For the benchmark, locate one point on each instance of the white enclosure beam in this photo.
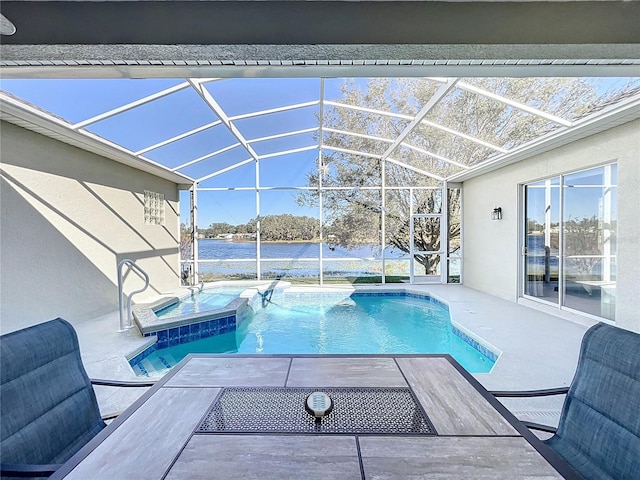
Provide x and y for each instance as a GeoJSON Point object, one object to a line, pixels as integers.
{"type": "Point", "coordinates": [414, 169]}
{"type": "Point", "coordinates": [465, 136]}
{"type": "Point", "coordinates": [210, 80]}
{"type": "Point", "coordinates": [179, 137]}
{"type": "Point", "coordinates": [251, 189]}
{"type": "Point", "coordinates": [283, 135]}
{"type": "Point", "coordinates": [204, 157]}
{"type": "Point", "coordinates": [119, 147]}
{"type": "Point", "coordinates": [320, 169]}
{"type": "Point", "coordinates": [438, 79]}
{"type": "Point", "coordinates": [351, 152]}
{"type": "Point", "coordinates": [512, 103]}
{"type": "Point", "coordinates": [359, 135]}
{"type": "Point", "coordinates": [274, 110]}
{"type": "Point", "coordinates": [424, 111]}
{"type": "Point", "coordinates": [225, 170]}
{"type": "Point", "coordinates": [434, 155]}
{"type": "Point", "coordinates": [369, 110]}
{"type": "Point", "coordinates": [310, 189]}
{"type": "Point", "coordinates": [129, 106]}
{"type": "Point", "coordinates": [220, 113]}
{"type": "Point", "coordinates": [288, 152]}
{"type": "Point", "coordinates": [193, 194]}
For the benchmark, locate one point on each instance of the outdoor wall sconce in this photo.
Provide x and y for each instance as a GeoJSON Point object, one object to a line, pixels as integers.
{"type": "Point", "coordinates": [496, 214]}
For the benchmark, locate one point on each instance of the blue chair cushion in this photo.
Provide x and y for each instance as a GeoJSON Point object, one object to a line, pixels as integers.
{"type": "Point", "coordinates": [48, 408]}
{"type": "Point", "coordinates": [599, 429]}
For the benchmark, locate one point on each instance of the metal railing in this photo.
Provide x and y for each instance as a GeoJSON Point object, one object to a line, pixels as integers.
{"type": "Point", "coordinates": [129, 317]}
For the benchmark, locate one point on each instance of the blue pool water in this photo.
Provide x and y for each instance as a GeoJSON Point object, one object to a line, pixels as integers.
{"type": "Point", "coordinates": [208, 299]}
{"type": "Point", "coordinates": [327, 324]}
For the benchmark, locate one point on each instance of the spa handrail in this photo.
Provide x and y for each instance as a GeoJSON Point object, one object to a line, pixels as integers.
{"type": "Point", "coordinates": [135, 266]}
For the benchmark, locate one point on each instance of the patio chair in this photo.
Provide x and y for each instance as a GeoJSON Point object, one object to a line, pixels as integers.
{"type": "Point", "coordinates": [48, 409]}
{"type": "Point", "coordinates": [599, 429]}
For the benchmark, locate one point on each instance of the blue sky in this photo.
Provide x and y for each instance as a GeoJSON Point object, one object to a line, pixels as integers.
{"type": "Point", "coordinates": [79, 99]}
{"type": "Point", "coordinates": [583, 192]}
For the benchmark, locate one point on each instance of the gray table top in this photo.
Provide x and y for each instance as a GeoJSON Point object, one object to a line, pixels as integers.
{"type": "Point", "coordinates": [154, 439]}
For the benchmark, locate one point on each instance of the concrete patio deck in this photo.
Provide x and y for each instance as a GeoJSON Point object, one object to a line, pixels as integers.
{"type": "Point", "coordinates": [539, 350]}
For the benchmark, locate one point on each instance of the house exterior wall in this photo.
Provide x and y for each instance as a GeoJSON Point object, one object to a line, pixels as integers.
{"type": "Point", "coordinates": [491, 248]}
{"type": "Point", "coordinates": [68, 218]}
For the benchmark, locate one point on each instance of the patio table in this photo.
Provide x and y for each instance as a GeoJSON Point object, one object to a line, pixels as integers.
{"type": "Point", "coordinates": [158, 437]}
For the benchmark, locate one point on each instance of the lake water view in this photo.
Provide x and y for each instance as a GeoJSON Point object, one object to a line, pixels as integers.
{"type": "Point", "coordinates": [237, 259]}
{"type": "Point", "coordinates": [216, 249]}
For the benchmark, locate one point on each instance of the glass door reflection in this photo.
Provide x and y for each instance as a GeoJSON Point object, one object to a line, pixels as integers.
{"type": "Point", "coordinates": [542, 239]}
{"type": "Point", "coordinates": [589, 233]}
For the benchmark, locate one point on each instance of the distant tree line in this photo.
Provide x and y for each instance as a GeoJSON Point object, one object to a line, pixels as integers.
{"type": "Point", "coordinates": [273, 228]}
{"type": "Point", "coordinates": [218, 229]}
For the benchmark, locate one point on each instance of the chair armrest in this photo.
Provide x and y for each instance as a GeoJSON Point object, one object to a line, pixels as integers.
{"type": "Point", "coordinates": [538, 426]}
{"type": "Point", "coordinates": [27, 471]}
{"type": "Point", "coordinates": [111, 416]}
{"type": "Point", "coordinates": [120, 383]}
{"type": "Point", "coordinates": [531, 393]}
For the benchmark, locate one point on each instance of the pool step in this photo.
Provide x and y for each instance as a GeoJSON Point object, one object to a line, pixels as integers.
{"type": "Point", "coordinates": [154, 363]}
{"type": "Point", "coordinates": [165, 361]}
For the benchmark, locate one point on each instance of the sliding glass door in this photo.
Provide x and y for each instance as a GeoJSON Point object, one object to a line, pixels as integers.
{"type": "Point", "coordinates": [542, 239]}
{"type": "Point", "coordinates": [589, 233]}
{"type": "Point", "coordinates": [569, 246]}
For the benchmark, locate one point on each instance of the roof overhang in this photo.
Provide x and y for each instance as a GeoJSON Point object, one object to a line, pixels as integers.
{"type": "Point", "coordinates": [235, 38]}
{"type": "Point", "coordinates": [30, 118]}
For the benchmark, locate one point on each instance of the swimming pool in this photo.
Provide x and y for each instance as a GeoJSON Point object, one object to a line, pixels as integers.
{"type": "Point", "coordinates": [208, 299]}
{"type": "Point", "coordinates": [359, 323]}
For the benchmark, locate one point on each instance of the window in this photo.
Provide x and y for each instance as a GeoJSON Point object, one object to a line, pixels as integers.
{"type": "Point", "coordinates": [153, 208]}
{"type": "Point", "coordinates": [570, 241]}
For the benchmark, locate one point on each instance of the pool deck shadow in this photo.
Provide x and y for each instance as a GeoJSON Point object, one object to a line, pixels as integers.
{"type": "Point", "coordinates": [538, 349]}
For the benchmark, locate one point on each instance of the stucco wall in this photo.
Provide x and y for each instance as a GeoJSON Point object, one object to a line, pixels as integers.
{"type": "Point", "coordinates": [68, 218]}
{"type": "Point", "coordinates": [491, 248]}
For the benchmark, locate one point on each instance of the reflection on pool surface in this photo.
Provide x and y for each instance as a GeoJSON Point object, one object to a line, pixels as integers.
{"type": "Point", "coordinates": [336, 324]}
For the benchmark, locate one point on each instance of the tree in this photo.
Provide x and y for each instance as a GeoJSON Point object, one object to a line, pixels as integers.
{"type": "Point", "coordinates": [287, 228]}
{"type": "Point", "coordinates": [353, 215]}
{"type": "Point", "coordinates": [185, 242]}
{"type": "Point", "coordinates": [216, 229]}
{"type": "Point", "coordinates": [185, 252]}
{"type": "Point", "coordinates": [583, 239]}
{"type": "Point", "coordinates": [533, 226]}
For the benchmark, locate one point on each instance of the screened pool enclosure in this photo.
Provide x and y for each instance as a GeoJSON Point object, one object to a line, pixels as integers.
{"type": "Point", "coordinates": [325, 180]}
